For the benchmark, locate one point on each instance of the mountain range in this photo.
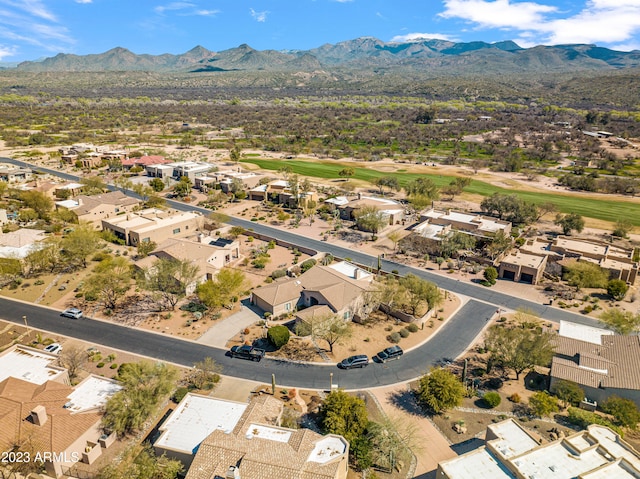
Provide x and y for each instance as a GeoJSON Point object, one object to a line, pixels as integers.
{"type": "Point", "coordinates": [364, 53]}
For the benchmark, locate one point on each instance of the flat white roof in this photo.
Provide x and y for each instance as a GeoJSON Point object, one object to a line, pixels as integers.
{"type": "Point", "coordinates": [160, 222]}
{"type": "Point", "coordinates": [611, 442]}
{"type": "Point", "coordinates": [350, 270]}
{"type": "Point", "coordinates": [29, 365]}
{"type": "Point", "coordinates": [478, 464]}
{"type": "Point", "coordinates": [326, 449]}
{"type": "Point", "coordinates": [267, 432]}
{"type": "Point", "coordinates": [428, 230]}
{"type": "Point", "coordinates": [91, 393]}
{"type": "Point", "coordinates": [70, 186]}
{"type": "Point", "coordinates": [384, 201]}
{"type": "Point", "coordinates": [581, 332]}
{"type": "Point", "coordinates": [558, 462]}
{"type": "Point", "coordinates": [338, 200]}
{"type": "Point", "coordinates": [195, 418]}
{"type": "Point", "coordinates": [68, 203]}
{"type": "Point", "coordinates": [617, 470]}
{"type": "Point", "coordinates": [513, 440]}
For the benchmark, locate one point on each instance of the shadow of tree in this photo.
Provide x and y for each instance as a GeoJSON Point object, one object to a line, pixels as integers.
{"type": "Point", "coordinates": [406, 400]}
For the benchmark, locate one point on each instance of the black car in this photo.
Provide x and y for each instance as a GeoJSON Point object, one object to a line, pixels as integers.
{"type": "Point", "coordinates": [392, 352]}
{"type": "Point", "coordinates": [357, 361]}
{"type": "Point", "coordinates": [247, 352]}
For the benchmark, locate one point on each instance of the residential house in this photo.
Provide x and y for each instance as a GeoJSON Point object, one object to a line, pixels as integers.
{"type": "Point", "coordinates": [153, 225]}
{"type": "Point", "coordinates": [511, 452]}
{"type": "Point", "coordinates": [144, 162]}
{"type": "Point", "coordinates": [601, 363]}
{"type": "Point", "coordinates": [392, 210]}
{"type": "Point", "coordinates": [190, 169]}
{"type": "Point", "coordinates": [14, 174]}
{"type": "Point", "coordinates": [210, 255]}
{"type": "Point", "coordinates": [20, 243]}
{"type": "Point", "coordinates": [96, 208]}
{"type": "Point", "coordinates": [256, 447]}
{"type": "Point", "coordinates": [469, 223]}
{"type": "Point", "coordinates": [523, 267]}
{"type": "Point", "coordinates": [68, 190]}
{"type": "Point", "coordinates": [269, 192]}
{"type": "Point", "coordinates": [340, 286]}
{"type": "Point", "coordinates": [41, 411]}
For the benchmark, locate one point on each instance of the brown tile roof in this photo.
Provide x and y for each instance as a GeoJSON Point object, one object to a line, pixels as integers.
{"type": "Point", "coordinates": [18, 398]}
{"type": "Point", "coordinates": [262, 458]}
{"type": "Point", "coordinates": [116, 198]}
{"type": "Point", "coordinates": [313, 312]}
{"type": "Point", "coordinates": [337, 289]}
{"type": "Point", "coordinates": [279, 292]}
{"type": "Point", "coordinates": [611, 364]}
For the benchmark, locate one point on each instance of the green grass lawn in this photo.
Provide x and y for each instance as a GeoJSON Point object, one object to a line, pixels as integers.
{"type": "Point", "coordinates": [602, 209]}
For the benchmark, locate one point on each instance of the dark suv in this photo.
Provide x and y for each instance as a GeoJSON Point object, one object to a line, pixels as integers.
{"type": "Point", "coordinates": [392, 352]}
{"type": "Point", "coordinates": [358, 361]}
{"type": "Point", "coordinates": [246, 352]}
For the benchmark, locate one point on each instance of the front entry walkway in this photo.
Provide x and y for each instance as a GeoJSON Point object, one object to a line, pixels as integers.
{"type": "Point", "coordinates": [222, 331]}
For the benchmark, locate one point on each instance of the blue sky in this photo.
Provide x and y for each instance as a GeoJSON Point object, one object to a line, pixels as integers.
{"type": "Point", "coordinates": [31, 29]}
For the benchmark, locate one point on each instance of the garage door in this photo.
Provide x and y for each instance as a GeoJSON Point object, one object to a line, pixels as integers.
{"type": "Point", "coordinates": [526, 278]}
{"type": "Point", "coordinates": [509, 275]}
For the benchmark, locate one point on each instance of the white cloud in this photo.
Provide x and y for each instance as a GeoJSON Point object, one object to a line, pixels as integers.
{"type": "Point", "coordinates": [160, 9]}
{"type": "Point", "coordinates": [34, 8]}
{"type": "Point", "coordinates": [37, 27]}
{"type": "Point", "coordinates": [7, 51]}
{"type": "Point", "coordinates": [599, 21]}
{"type": "Point", "coordinates": [259, 16]}
{"type": "Point", "coordinates": [84, 1]}
{"type": "Point", "coordinates": [416, 37]}
{"type": "Point", "coordinates": [207, 13]}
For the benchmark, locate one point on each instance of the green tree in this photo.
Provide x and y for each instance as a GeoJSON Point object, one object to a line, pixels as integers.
{"type": "Point", "coordinates": [79, 244]}
{"type": "Point", "coordinates": [492, 399]}
{"type": "Point", "coordinates": [369, 218]}
{"type": "Point", "coordinates": [623, 410]}
{"type": "Point", "coordinates": [93, 185]}
{"type": "Point", "coordinates": [146, 247]}
{"type": "Point", "coordinates": [145, 385]}
{"type": "Point", "coordinates": [440, 390]}
{"type": "Point", "coordinates": [569, 223]}
{"type": "Point", "coordinates": [568, 392]}
{"type": "Point", "coordinates": [157, 184]}
{"type": "Point", "coordinates": [622, 228]}
{"type": "Point", "coordinates": [140, 462]}
{"type": "Point", "coordinates": [621, 322]}
{"type": "Point", "coordinates": [617, 289]}
{"type": "Point", "coordinates": [331, 329]}
{"type": "Point", "coordinates": [509, 208]}
{"type": "Point", "coordinates": [45, 258]}
{"type": "Point", "coordinates": [346, 173]}
{"type": "Point", "coordinates": [38, 202]}
{"type": "Point", "coordinates": [498, 245]}
{"type": "Point", "coordinates": [424, 187]}
{"type": "Point", "coordinates": [518, 348]}
{"type": "Point", "coordinates": [542, 404]}
{"type": "Point", "coordinates": [182, 188]}
{"type": "Point", "coordinates": [278, 336]}
{"type": "Point", "coordinates": [205, 374]}
{"type": "Point", "coordinates": [390, 182]}
{"type": "Point", "coordinates": [221, 290]}
{"type": "Point", "coordinates": [168, 280]}
{"type": "Point", "coordinates": [490, 275]}
{"type": "Point", "coordinates": [420, 292]}
{"type": "Point", "coordinates": [455, 242]}
{"type": "Point", "coordinates": [110, 280]}
{"type": "Point", "coordinates": [394, 237]}
{"type": "Point", "coordinates": [343, 414]}
{"type": "Point", "coordinates": [236, 231]}
{"type": "Point", "coordinates": [583, 274]}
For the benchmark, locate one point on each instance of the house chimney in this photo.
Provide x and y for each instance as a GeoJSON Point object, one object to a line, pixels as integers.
{"type": "Point", "coordinates": [233, 473]}
{"type": "Point", "coordinates": [39, 415]}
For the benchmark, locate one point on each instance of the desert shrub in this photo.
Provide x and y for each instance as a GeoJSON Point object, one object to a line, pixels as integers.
{"type": "Point", "coordinates": [583, 418]}
{"type": "Point", "coordinates": [515, 398]}
{"type": "Point", "coordinates": [495, 383]}
{"type": "Point", "coordinates": [278, 336]}
{"type": "Point", "coordinates": [179, 394]}
{"type": "Point", "coordinates": [394, 338]}
{"type": "Point", "coordinates": [194, 307]}
{"type": "Point", "coordinates": [113, 366]}
{"type": "Point", "coordinates": [413, 328]}
{"type": "Point", "coordinates": [492, 399]}
{"type": "Point", "coordinates": [100, 365]}
{"type": "Point", "coordinates": [307, 265]}
{"type": "Point", "coordinates": [302, 329]}
{"type": "Point", "coordinates": [404, 333]}
{"type": "Point", "coordinates": [278, 273]}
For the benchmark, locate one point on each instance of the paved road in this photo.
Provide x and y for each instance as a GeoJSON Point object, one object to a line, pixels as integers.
{"type": "Point", "coordinates": [479, 292]}
{"type": "Point", "coordinates": [451, 340]}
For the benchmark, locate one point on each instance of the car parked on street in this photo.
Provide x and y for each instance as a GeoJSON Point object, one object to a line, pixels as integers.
{"type": "Point", "coordinates": [247, 352]}
{"type": "Point", "coordinates": [53, 348]}
{"type": "Point", "coordinates": [390, 353]}
{"type": "Point", "coordinates": [357, 361]}
{"type": "Point", "coordinates": [73, 313]}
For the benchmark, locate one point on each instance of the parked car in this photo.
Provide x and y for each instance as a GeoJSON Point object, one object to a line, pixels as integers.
{"type": "Point", "coordinates": [357, 361]}
{"type": "Point", "coordinates": [73, 313]}
{"type": "Point", "coordinates": [390, 353]}
{"type": "Point", "coordinates": [247, 352]}
{"type": "Point", "coordinates": [53, 348]}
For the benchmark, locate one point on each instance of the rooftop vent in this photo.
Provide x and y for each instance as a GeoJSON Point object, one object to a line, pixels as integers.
{"type": "Point", "coordinates": [233, 473]}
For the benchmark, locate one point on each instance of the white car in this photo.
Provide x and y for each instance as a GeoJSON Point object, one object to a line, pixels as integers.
{"type": "Point", "coordinates": [73, 313]}
{"type": "Point", "coordinates": [53, 348]}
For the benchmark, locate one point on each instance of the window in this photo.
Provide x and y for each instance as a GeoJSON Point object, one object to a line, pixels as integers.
{"type": "Point", "coordinates": [176, 231]}
{"type": "Point", "coordinates": [287, 307]}
{"type": "Point", "coordinates": [146, 240]}
{"type": "Point", "coordinates": [347, 314]}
